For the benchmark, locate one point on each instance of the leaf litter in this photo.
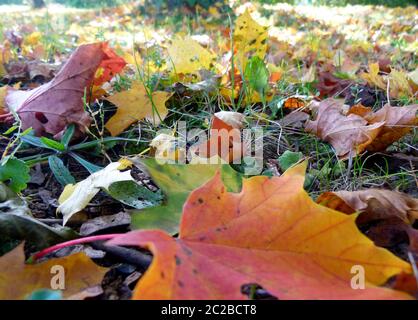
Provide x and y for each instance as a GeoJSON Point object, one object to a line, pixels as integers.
{"type": "Point", "coordinates": [87, 119]}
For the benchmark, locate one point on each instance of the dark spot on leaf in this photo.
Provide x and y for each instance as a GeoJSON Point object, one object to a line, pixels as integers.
{"type": "Point", "coordinates": [178, 260]}
{"type": "Point", "coordinates": [195, 271]}
{"type": "Point", "coordinates": [263, 41]}
{"type": "Point", "coordinates": [180, 284]}
{"type": "Point", "coordinates": [162, 274]}
{"type": "Point", "coordinates": [200, 200]}
{"type": "Point", "coordinates": [41, 117]}
{"type": "Point", "coordinates": [252, 42]}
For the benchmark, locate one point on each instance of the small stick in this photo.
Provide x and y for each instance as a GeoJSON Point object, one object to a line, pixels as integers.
{"type": "Point", "coordinates": [131, 256]}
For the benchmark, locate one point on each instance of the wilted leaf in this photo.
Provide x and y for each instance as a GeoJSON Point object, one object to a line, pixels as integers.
{"type": "Point", "coordinates": [373, 204]}
{"type": "Point", "coordinates": [399, 121]}
{"type": "Point", "coordinates": [52, 106]}
{"type": "Point", "coordinates": [177, 181]}
{"type": "Point", "coordinates": [349, 135]}
{"type": "Point", "coordinates": [188, 56]}
{"type": "Point", "coordinates": [134, 105]}
{"type": "Point", "coordinates": [18, 280]}
{"type": "Point", "coordinates": [373, 78]}
{"type": "Point", "coordinates": [84, 191]}
{"type": "Point", "coordinates": [272, 234]}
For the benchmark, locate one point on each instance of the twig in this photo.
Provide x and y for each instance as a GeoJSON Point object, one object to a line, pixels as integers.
{"type": "Point", "coordinates": [130, 256]}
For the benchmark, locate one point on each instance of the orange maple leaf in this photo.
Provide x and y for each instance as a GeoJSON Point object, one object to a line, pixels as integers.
{"type": "Point", "coordinates": [272, 234]}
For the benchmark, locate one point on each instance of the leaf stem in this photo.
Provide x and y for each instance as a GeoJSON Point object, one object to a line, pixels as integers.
{"type": "Point", "coordinates": [58, 246]}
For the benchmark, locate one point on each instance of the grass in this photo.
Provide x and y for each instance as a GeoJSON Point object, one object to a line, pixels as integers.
{"type": "Point", "coordinates": [326, 172]}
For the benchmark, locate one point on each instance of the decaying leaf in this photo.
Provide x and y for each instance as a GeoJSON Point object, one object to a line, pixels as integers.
{"type": "Point", "coordinates": [361, 129]}
{"type": "Point", "coordinates": [82, 192]}
{"type": "Point", "coordinates": [272, 234]}
{"type": "Point", "coordinates": [18, 280]}
{"type": "Point", "coordinates": [134, 105]}
{"type": "Point", "coordinates": [188, 56]}
{"type": "Point", "coordinates": [399, 121]}
{"type": "Point", "coordinates": [176, 182]}
{"type": "Point", "coordinates": [373, 204]}
{"type": "Point", "coordinates": [52, 106]}
{"type": "Point", "coordinates": [349, 135]}
{"type": "Point", "coordinates": [396, 81]}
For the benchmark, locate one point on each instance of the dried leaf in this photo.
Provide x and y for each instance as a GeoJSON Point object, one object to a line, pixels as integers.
{"type": "Point", "coordinates": [18, 280]}
{"type": "Point", "coordinates": [399, 121]}
{"type": "Point", "coordinates": [52, 106]}
{"type": "Point", "coordinates": [349, 135]}
{"type": "Point", "coordinates": [374, 204]}
{"type": "Point", "coordinates": [134, 105]}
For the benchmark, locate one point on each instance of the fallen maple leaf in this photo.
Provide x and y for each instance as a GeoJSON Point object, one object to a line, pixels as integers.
{"type": "Point", "coordinates": [349, 135]}
{"type": "Point", "coordinates": [374, 204]}
{"type": "Point", "coordinates": [396, 82]}
{"type": "Point", "coordinates": [76, 197]}
{"type": "Point", "coordinates": [52, 106]}
{"type": "Point", "coordinates": [134, 105]}
{"type": "Point", "coordinates": [398, 122]}
{"type": "Point", "coordinates": [361, 129]}
{"type": "Point", "coordinates": [272, 234]}
{"type": "Point", "coordinates": [18, 280]}
{"type": "Point", "coordinates": [188, 56]}
{"type": "Point", "coordinates": [250, 39]}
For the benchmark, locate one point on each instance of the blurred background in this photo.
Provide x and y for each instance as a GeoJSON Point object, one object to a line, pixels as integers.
{"type": "Point", "coordinates": [203, 3]}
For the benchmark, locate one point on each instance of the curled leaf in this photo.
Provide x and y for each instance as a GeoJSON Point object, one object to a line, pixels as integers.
{"type": "Point", "coordinates": [374, 204]}
{"type": "Point", "coordinates": [52, 106]}
{"type": "Point", "coordinates": [82, 192]}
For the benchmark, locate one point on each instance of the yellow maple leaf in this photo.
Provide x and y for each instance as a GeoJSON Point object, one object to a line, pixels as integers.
{"type": "Point", "coordinates": [33, 39]}
{"type": "Point", "coordinates": [250, 39]}
{"type": "Point", "coordinates": [134, 105]}
{"type": "Point", "coordinates": [373, 77]}
{"type": "Point", "coordinates": [399, 84]}
{"type": "Point", "coordinates": [188, 56]}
